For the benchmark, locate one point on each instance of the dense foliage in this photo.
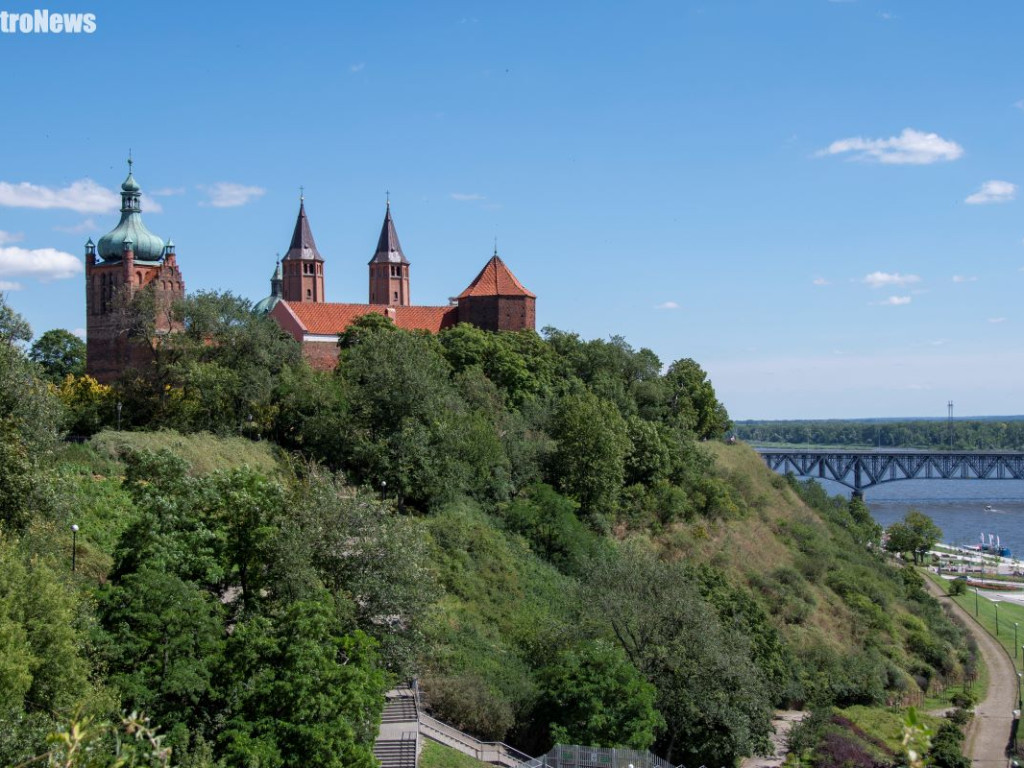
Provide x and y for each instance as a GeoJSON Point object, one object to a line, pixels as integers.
{"type": "Point", "coordinates": [965, 435]}
{"type": "Point", "coordinates": [505, 516]}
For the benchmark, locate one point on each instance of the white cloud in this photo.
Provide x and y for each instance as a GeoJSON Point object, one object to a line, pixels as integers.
{"type": "Point", "coordinates": [997, 320]}
{"type": "Point", "coordinates": [465, 197]}
{"type": "Point", "coordinates": [993, 192]}
{"type": "Point", "coordinates": [909, 148]}
{"type": "Point", "coordinates": [667, 305]}
{"type": "Point", "coordinates": [964, 279]}
{"type": "Point", "coordinates": [357, 67]}
{"type": "Point", "coordinates": [820, 281]}
{"type": "Point", "coordinates": [226, 194]}
{"type": "Point", "coordinates": [41, 263]}
{"type": "Point", "coordinates": [10, 237]}
{"type": "Point", "coordinates": [882, 279]}
{"type": "Point", "coordinates": [79, 332]}
{"type": "Point", "coordinates": [84, 196]}
{"type": "Point", "coordinates": [79, 229]}
{"type": "Point", "coordinates": [168, 191]}
{"type": "Point", "coordinates": [895, 301]}
{"type": "Point", "coordinates": [7, 285]}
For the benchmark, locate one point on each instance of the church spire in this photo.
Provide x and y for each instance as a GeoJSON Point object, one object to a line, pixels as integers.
{"type": "Point", "coordinates": [302, 266]}
{"type": "Point", "coordinates": [389, 250]}
{"type": "Point", "coordinates": [303, 246]}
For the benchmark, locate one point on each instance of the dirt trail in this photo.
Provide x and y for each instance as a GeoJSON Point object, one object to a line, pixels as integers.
{"type": "Point", "coordinates": [989, 732]}
{"type": "Point", "coordinates": [782, 722]}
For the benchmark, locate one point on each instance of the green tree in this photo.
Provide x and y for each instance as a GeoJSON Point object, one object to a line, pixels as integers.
{"type": "Point", "coordinates": [163, 640]}
{"type": "Point", "coordinates": [592, 695]}
{"type": "Point", "coordinates": [713, 698]}
{"type": "Point", "coordinates": [303, 692]}
{"type": "Point", "coordinates": [694, 404]}
{"type": "Point", "coordinates": [30, 417]}
{"type": "Point", "coordinates": [60, 353]}
{"type": "Point", "coordinates": [589, 462]}
{"type": "Point", "coordinates": [917, 533]}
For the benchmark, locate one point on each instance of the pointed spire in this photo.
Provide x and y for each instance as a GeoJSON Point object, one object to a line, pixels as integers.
{"type": "Point", "coordinates": [303, 246]}
{"type": "Point", "coordinates": [388, 247]}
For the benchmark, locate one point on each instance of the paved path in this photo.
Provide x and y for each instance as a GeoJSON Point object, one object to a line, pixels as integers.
{"type": "Point", "coordinates": [989, 732]}
{"type": "Point", "coordinates": [782, 722]}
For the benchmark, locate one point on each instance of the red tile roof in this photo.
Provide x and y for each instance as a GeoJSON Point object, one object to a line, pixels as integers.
{"type": "Point", "coordinates": [327, 319]}
{"type": "Point", "coordinates": [495, 279]}
{"type": "Point", "coordinates": [431, 319]}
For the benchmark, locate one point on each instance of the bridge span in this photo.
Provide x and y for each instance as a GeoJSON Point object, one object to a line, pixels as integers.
{"type": "Point", "coordinates": [858, 470]}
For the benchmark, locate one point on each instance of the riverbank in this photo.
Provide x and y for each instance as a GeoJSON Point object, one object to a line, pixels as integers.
{"type": "Point", "coordinates": [990, 731]}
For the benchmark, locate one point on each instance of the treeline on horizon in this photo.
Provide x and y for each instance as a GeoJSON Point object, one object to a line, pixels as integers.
{"type": "Point", "coordinates": [983, 434]}
{"type": "Point", "coordinates": [505, 516]}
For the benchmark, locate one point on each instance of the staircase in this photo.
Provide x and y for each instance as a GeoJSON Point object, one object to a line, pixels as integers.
{"type": "Point", "coordinates": [403, 727]}
{"type": "Point", "coordinates": [397, 744]}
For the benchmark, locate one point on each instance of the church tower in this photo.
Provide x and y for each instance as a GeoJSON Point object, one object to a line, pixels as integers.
{"type": "Point", "coordinates": [125, 261]}
{"type": "Point", "coordinates": [389, 269]}
{"type": "Point", "coordinates": [302, 266]}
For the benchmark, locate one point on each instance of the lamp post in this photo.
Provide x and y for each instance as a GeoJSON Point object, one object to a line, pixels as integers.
{"type": "Point", "coordinates": [996, 604]}
{"type": "Point", "coordinates": [1015, 641]}
{"type": "Point", "coordinates": [383, 488]}
{"type": "Point", "coordinates": [975, 602]}
{"type": "Point", "coordinates": [74, 547]}
{"type": "Point", "coordinates": [118, 415]}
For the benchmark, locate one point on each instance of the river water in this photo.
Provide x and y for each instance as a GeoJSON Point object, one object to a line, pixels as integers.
{"type": "Point", "coordinates": [956, 506]}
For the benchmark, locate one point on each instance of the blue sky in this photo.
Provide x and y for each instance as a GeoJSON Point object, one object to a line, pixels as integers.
{"type": "Point", "coordinates": [818, 201]}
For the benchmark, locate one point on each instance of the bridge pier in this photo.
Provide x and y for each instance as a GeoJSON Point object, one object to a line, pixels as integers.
{"type": "Point", "coordinates": [856, 494]}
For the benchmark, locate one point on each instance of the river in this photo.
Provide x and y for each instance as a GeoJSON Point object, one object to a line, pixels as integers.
{"type": "Point", "coordinates": [956, 506]}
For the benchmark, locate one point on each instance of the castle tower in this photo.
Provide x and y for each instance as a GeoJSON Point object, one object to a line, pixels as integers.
{"type": "Point", "coordinates": [497, 301]}
{"type": "Point", "coordinates": [303, 267]}
{"type": "Point", "coordinates": [389, 269]}
{"type": "Point", "coordinates": [126, 260]}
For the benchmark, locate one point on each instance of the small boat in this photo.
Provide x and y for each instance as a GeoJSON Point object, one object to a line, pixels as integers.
{"type": "Point", "coordinates": [989, 508]}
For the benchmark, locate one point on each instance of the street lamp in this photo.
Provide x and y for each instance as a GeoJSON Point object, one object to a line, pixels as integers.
{"type": "Point", "coordinates": [996, 604]}
{"type": "Point", "coordinates": [118, 415]}
{"type": "Point", "coordinates": [383, 488]}
{"type": "Point", "coordinates": [975, 602]}
{"type": "Point", "coordinates": [74, 546]}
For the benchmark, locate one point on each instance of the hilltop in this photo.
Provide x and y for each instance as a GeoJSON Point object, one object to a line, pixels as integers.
{"type": "Point", "coordinates": [544, 530]}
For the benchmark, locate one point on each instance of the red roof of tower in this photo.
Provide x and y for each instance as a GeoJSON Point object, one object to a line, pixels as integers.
{"type": "Point", "coordinates": [495, 279]}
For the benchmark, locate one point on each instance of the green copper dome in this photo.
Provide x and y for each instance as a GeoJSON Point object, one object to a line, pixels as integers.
{"type": "Point", "coordinates": [146, 245]}
{"type": "Point", "coordinates": [264, 306]}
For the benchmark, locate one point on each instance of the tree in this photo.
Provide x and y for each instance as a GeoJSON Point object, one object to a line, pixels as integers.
{"type": "Point", "coordinates": [712, 696]}
{"type": "Point", "coordinates": [592, 695]}
{"type": "Point", "coordinates": [30, 417]}
{"type": "Point", "coordinates": [589, 462]}
{"type": "Point", "coordinates": [304, 693]}
{"type": "Point", "coordinates": [693, 400]}
{"type": "Point", "coordinates": [163, 640]}
{"type": "Point", "coordinates": [916, 534]}
{"type": "Point", "coordinates": [60, 353]}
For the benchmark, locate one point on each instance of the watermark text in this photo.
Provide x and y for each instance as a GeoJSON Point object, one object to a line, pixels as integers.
{"type": "Point", "coordinates": [41, 21]}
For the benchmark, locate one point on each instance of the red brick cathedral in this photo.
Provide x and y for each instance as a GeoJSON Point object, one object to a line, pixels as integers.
{"type": "Point", "coordinates": [131, 258]}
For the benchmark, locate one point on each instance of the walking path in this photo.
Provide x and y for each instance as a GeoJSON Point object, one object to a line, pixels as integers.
{"type": "Point", "coordinates": [989, 732]}
{"type": "Point", "coordinates": [782, 722]}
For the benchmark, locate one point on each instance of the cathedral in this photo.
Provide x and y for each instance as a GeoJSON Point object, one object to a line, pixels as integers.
{"type": "Point", "coordinates": [130, 258]}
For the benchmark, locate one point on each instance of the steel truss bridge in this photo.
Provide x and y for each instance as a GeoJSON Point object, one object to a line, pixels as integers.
{"type": "Point", "coordinates": [858, 470]}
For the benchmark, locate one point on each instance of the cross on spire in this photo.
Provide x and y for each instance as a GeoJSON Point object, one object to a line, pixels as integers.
{"type": "Point", "coordinates": [302, 194]}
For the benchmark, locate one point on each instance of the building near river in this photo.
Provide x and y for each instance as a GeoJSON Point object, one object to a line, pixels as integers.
{"type": "Point", "coordinates": [131, 258]}
{"type": "Point", "coordinates": [495, 300]}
